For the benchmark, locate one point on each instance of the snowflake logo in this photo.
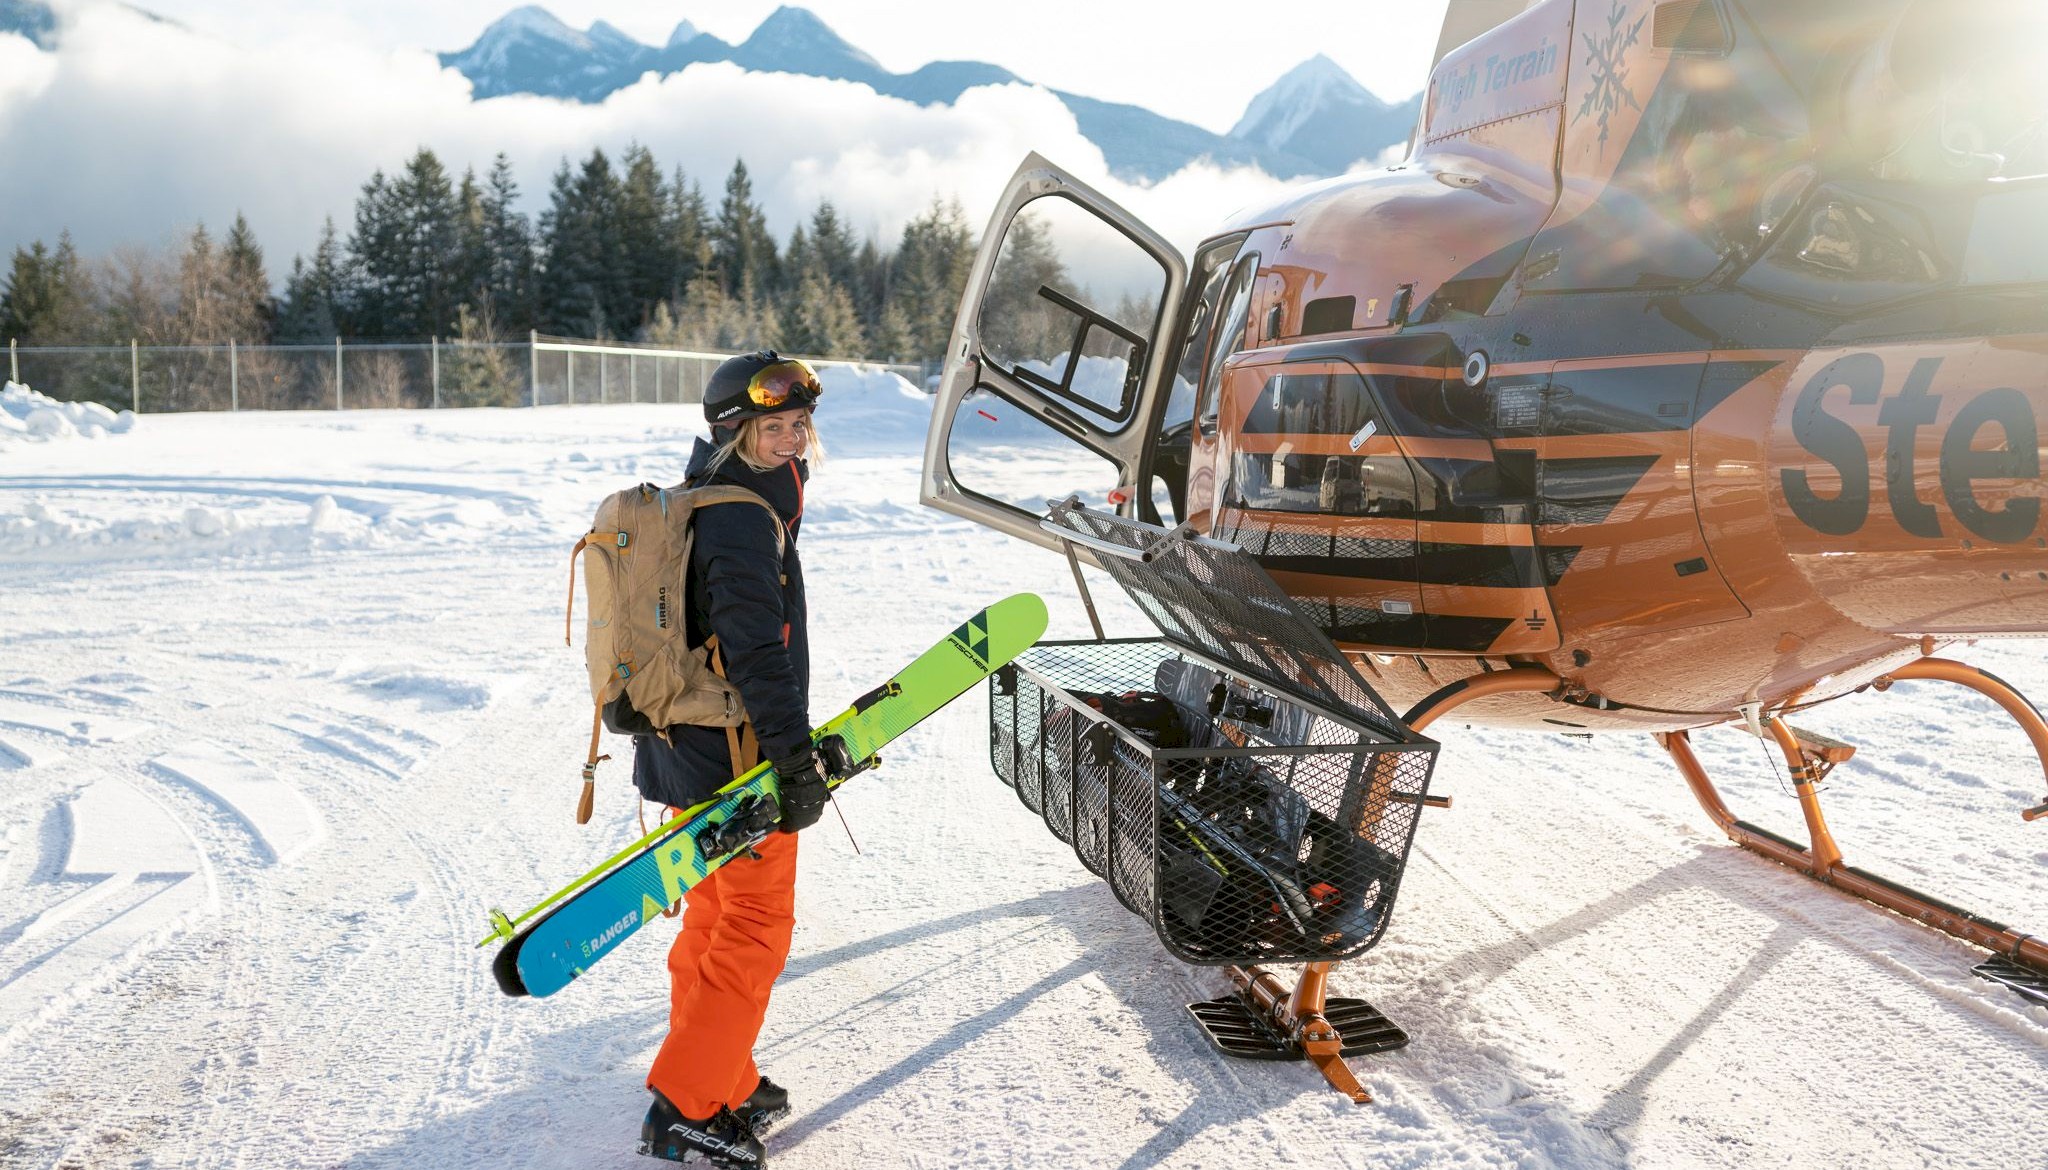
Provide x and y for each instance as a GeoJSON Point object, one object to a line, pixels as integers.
{"type": "Point", "coordinates": [1606, 63]}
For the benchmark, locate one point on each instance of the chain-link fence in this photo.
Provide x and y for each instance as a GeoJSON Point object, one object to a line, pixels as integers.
{"type": "Point", "coordinates": [346, 375]}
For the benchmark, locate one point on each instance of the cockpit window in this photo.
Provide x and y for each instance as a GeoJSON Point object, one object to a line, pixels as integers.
{"type": "Point", "coordinates": [1212, 269]}
{"type": "Point", "coordinates": [1237, 305]}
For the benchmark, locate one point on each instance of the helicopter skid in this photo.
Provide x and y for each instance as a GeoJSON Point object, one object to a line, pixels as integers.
{"type": "Point", "coordinates": [1267, 1020]}
{"type": "Point", "coordinates": [1821, 858]}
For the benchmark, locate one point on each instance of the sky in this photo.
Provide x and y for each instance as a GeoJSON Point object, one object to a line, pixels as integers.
{"type": "Point", "coordinates": [134, 130]}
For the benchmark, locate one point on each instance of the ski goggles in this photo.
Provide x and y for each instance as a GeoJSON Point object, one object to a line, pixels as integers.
{"type": "Point", "coordinates": [777, 384]}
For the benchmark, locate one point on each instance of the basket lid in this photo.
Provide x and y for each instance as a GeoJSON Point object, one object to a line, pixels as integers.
{"type": "Point", "coordinates": [1212, 600]}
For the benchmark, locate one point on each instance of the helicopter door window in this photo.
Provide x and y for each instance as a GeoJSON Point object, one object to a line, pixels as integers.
{"type": "Point", "coordinates": [1313, 440]}
{"type": "Point", "coordinates": [1070, 304]}
{"type": "Point", "coordinates": [1237, 305]}
{"type": "Point", "coordinates": [999, 451]}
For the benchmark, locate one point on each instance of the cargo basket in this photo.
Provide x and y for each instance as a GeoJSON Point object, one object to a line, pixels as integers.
{"type": "Point", "coordinates": [1236, 783]}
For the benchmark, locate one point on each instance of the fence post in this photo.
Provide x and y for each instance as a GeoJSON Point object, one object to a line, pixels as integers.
{"type": "Point", "coordinates": [604, 379]}
{"type": "Point", "coordinates": [533, 367]}
{"type": "Point", "coordinates": [569, 360]}
{"type": "Point", "coordinates": [234, 378]}
{"type": "Point", "coordinates": [134, 377]}
{"type": "Point", "coordinates": [434, 352]}
{"type": "Point", "coordinates": [337, 373]}
{"type": "Point", "coordinates": [13, 363]}
{"type": "Point", "coordinates": [633, 376]}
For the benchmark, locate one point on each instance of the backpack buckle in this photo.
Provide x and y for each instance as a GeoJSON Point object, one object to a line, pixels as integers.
{"type": "Point", "coordinates": [623, 670]}
{"type": "Point", "coordinates": [624, 539]}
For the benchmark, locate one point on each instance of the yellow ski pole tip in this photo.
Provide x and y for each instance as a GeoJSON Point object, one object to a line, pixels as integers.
{"type": "Point", "coordinates": [501, 928]}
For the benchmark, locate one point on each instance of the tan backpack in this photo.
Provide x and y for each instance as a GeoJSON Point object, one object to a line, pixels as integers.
{"type": "Point", "coordinates": [636, 563]}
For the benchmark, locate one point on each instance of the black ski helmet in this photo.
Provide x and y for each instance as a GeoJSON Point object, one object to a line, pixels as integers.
{"type": "Point", "coordinates": [758, 383]}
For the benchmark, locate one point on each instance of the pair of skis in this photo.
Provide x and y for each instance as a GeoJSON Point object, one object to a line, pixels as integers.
{"type": "Point", "coordinates": [559, 939]}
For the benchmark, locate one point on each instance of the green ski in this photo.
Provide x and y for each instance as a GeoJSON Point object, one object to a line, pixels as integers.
{"type": "Point", "coordinates": [556, 941]}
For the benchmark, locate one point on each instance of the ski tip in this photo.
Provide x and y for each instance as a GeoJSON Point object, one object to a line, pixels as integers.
{"type": "Point", "coordinates": [1023, 603]}
{"type": "Point", "coordinates": [505, 967]}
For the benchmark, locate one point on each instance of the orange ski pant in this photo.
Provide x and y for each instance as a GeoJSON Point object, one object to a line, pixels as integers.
{"type": "Point", "coordinates": [737, 925]}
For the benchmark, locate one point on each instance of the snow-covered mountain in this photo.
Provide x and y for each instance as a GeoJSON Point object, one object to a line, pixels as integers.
{"type": "Point", "coordinates": [1315, 121]}
{"type": "Point", "coordinates": [1319, 112]}
{"type": "Point", "coordinates": [529, 51]}
{"type": "Point", "coordinates": [794, 40]}
{"type": "Point", "coordinates": [31, 19]}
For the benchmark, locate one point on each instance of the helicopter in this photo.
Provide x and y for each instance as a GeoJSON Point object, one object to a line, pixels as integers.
{"type": "Point", "coordinates": [1688, 371]}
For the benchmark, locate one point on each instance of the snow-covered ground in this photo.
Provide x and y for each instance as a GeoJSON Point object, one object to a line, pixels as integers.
{"type": "Point", "coordinates": [284, 709]}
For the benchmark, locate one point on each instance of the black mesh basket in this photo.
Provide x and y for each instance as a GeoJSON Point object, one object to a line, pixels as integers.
{"type": "Point", "coordinates": [1246, 828]}
{"type": "Point", "coordinates": [1237, 784]}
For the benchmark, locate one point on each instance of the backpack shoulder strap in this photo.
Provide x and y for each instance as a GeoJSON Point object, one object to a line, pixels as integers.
{"type": "Point", "coordinates": [727, 493]}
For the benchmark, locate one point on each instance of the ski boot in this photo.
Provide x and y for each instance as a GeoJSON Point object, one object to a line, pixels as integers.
{"type": "Point", "coordinates": [764, 1107]}
{"type": "Point", "coordinates": [721, 1140]}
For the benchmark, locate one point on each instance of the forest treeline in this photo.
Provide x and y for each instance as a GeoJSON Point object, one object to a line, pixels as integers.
{"type": "Point", "coordinates": [626, 251]}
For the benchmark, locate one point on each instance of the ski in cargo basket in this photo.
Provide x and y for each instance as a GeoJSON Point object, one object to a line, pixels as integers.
{"type": "Point", "coordinates": [1236, 782]}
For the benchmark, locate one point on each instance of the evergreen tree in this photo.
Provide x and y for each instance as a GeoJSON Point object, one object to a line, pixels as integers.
{"type": "Point", "coordinates": [818, 318]}
{"type": "Point", "coordinates": [834, 250]}
{"type": "Point", "coordinates": [870, 290]}
{"type": "Point", "coordinates": [508, 237]}
{"type": "Point", "coordinates": [584, 291]}
{"type": "Point", "coordinates": [742, 250]}
{"type": "Point", "coordinates": [48, 297]}
{"type": "Point", "coordinates": [312, 292]}
{"type": "Point", "coordinates": [476, 372]}
{"type": "Point", "coordinates": [203, 309]}
{"type": "Point", "coordinates": [698, 320]}
{"type": "Point", "coordinates": [372, 251]}
{"type": "Point", "coordinates": [688, 227]}
{"type": "Point", "coordinates": [471, 277]}
{"type": "Point", "coordinates": [889, 337]}
{"type": "Point", "coordinates": [798, 260]}
{"type": "Point", "coordinates": [928, 275]}
{"type": "Point", "coordinates": [645, 244]}
{"type": "Point", "coordinates": [404, 253]}
{"type": "Point", "coordinates": [251, 311]}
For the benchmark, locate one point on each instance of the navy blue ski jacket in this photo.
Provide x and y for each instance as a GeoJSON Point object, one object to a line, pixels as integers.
{"type": "Point", "coordinates": [754, 601]}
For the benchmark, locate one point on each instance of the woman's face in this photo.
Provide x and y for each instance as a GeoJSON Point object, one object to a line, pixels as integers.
{"type": "Point", "coordinates": [778, 438]}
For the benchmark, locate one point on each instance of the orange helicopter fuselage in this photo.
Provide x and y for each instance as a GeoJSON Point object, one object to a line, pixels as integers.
{"type": "Point", "coordinates": [1640, 370]}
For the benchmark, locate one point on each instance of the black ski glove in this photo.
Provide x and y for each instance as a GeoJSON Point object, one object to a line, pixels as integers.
{"type": "Point", "coordinates": [803, 789]}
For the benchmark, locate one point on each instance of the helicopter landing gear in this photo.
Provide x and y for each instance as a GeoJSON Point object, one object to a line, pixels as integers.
{"type": "Point", "coordinates": [2020, 960]}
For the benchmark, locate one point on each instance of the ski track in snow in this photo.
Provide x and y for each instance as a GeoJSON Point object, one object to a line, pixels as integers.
{"type": "Point", "coordinates": [256, 795]}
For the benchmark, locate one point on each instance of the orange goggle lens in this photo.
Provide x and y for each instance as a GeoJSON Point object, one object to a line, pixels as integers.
{"type": "Point", "coordinates": [782, 381]}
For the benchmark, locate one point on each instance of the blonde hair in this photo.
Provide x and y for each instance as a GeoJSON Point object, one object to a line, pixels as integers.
{"type": "Point", "coordinates": [741, 445]}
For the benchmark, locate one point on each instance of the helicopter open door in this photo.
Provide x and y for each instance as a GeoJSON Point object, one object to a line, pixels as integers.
{"type": "Point", "coordinates": [1056, 375]}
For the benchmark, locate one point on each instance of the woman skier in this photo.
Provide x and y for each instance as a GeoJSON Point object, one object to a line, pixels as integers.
{"type": "Point", "coordinates": [746, 588]}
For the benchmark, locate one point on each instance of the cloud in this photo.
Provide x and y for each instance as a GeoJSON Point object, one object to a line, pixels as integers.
{"type": "Point", "coordinates": [134, 129]}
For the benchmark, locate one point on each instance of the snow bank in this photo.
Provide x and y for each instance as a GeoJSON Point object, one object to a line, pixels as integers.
{"type": "Point", "coordinates": [25, 414]}
{"type": "Point", "coordinates": [45, 533]}
{"type": "Point", "coordinates": [868, 406]}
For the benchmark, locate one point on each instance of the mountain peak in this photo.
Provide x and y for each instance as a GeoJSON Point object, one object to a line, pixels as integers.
{"type": "Point", "coordinates": [1319, 111]}
{"type": "Point", "coordinates": [31, 19]}
{"type": "Point", "coordinates": [533, 20]}
{"type": "Point", "coordinates": [799, 32]}
{"type": "Point", "coordinates": [685, 31]}
{"type": "Point", "coordinates": [529, 50]}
